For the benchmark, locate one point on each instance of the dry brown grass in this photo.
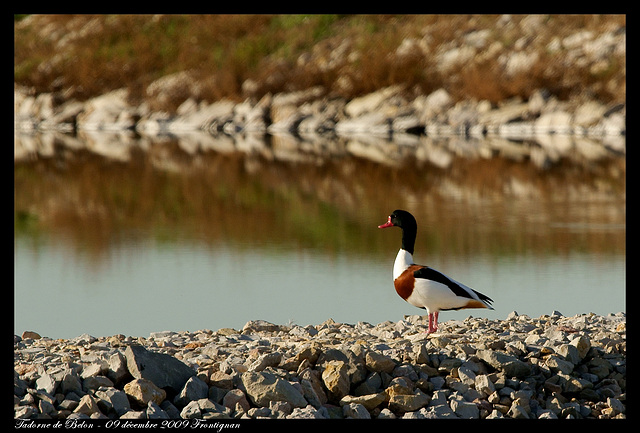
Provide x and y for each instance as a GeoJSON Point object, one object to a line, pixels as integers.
{"type": "Point", "coordinates": [87, 55]}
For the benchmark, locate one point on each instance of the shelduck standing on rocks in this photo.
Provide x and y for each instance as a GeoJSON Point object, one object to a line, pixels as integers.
{"type": "Point", "coordinates": [422, 286]}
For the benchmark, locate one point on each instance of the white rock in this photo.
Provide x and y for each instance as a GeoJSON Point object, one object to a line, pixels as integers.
{"type": "Point", "coordinates": [370, 102]}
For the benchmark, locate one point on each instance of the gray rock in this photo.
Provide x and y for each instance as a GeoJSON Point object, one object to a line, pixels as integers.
{"type": "Point", "coordinates": [370, 401]}
{"type": "Point", "coordinates": [106, 112]}
{"type": "Point", "coordinates": [159, 335]}
{"type": "Point", "coordinates": [112, 400]}
{"type": "Point", "coordinates": [169, 409]}
{"type": "Point", "coordinates": [96, 382]}
{"type": "Point", "coordinates": [261, 326]}
{"type": "Point", "coordinates": [221, 380]}
{"type": "Point", "coordinates": [484, 385]}
{"type": "Point", "coordinates": [71, 383]}
{"type": "Point", "coordinates": [235, 398]}
{"type": "Point", "coordinates": [589, 113]}
{"type": "Point", "coordinates": [405, 370]}
{"type": "Point", "coordinates": [46, 383]}
{"type": "Point", "coordinates": [92, 370]}
{"type": "Point", "coordinates": [355, 411]}
{"type": "Point", "coordinates": [20, 386]}
{"type": "Point", "coordinates": [518, 412]}
{"type": "Point", "coordinates": [78, 416]}
{"type": "Point", "coordinates": [504, 114]}
{"type": "Point", "coordinates": [410, 122]}
{"type": "Point", "coordinates": [386, 414]}
{"type": "Point", "coordinates": [217, 394]}
{"type": "Point", "coordinates": [308, 412]}
{"type": "Point", "coordinates": [570, 353]}
{"type": "Point", "coordinates": [68, 404]}
{"type": "Point", "coordinates": [194, 389]}
{"type": "Point", "coordinates": [421, 353]}
{"type": "Point", "coordinates": [468, 371]}
{"type": "Point", "coordinates": [438, 398]}
{"type": "Point", "coordinates": [557, 364]}
{"type": "Point", "coordinates": [370, 102]}
{"type": "Point", "coordinates": [45, 407]}
{"type": "Point", "coordinates": [495, 414]}
{"type": "Point", "coordinates": [466, 376]}
{"type": "Point", "coordinates": [191, 410]}
{"type": "Point", "coordinates": [313, 392]}
{"type": "Point", "coordinates": [616, 405]}
{"type": "Point", "coordinates": [163, 370]}
{"type": "Point", "coordinates": [209, 407]}
{"type": "Point", "coordinates": [24, 412]}
{"type": "Point", "coordinates": [582, 344]}
{"type": "Point", "coordinates": [134, 414]}
{"type": "Point", "coordinates": [465, 409]}
{"type": "Point", "coordinates": [371, 385]}
{"type": "Point", "coordinates": [437, 102]}
{"type": "Point", "coordinates": [576, 385]}
{"type": "Point", "coordinates": [440, 411]}
{"type": "Point", "coordinates": [263, 388]}
{"type": "Point", "coordinates": [558, 122]}
{"type": "Point", "coordinates": [118, 371]}
{"type": "Point", "coordinates": [156, 412]}
{"type": "Point", "coordinates": [266, 360]}
{"type": "Point", "coordinates": [408, 403]}
{"type": "Point", "coordinates": [261, 412]}
{"type": "Point", "coordinates": [600, 367]}
{"type": "Point", "coordinates": [280, 407]}
{"type": "Point", "coordinates": [88, 406]}
{"type": "Point", "coordinates": [369, 123]}
{"type": "Point", "coordinates": [437, 381]}
{"type": "Point", "coordinates": [511, 365]}
{"type": "Point", "coordinates": [448, 364]}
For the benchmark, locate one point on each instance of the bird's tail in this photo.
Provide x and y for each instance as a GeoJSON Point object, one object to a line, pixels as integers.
{"type": "Point", "coordinates": [484, 299]}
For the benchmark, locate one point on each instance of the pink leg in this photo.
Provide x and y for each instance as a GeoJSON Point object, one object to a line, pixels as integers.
{"type": "Point", "coordinates": [433, 322]}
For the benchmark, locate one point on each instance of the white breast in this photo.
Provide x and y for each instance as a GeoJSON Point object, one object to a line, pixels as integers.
{"type": "Point", "coordinates": [404, 259]}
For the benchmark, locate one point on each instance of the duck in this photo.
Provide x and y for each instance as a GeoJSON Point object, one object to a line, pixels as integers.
{"type": "Point", "coordinates": [423, 286]}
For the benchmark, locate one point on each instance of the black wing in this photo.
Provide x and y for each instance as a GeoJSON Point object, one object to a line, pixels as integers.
{"type": "Point", "coordinates": [433, 275]}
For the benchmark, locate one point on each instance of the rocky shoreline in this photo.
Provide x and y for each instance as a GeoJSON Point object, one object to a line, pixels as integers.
{"type": "Point", "coordinates": [384, 127]}
{"type": "Point", "coordinates": [588, 56]}
{"type": "Point", "coordinates": [521, 367]}
{"type": "Point", "coordinates": [310, 112]}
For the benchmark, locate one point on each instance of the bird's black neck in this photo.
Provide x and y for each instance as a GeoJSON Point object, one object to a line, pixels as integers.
{"type": "Point", "coordinates": [408, 239]}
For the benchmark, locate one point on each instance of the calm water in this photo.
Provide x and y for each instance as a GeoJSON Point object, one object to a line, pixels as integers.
{"type": "Point", "coordinates": [187, 242]}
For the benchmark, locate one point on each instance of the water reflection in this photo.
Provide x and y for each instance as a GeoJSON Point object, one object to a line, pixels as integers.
{"type": "Point", "coordinates": [172, 235]}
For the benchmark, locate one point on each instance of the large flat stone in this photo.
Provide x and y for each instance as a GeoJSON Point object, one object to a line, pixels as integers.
{"type": "Point", "coordinates": [163, 370]}
{"type": "Point", "coordinates": [263, 388]}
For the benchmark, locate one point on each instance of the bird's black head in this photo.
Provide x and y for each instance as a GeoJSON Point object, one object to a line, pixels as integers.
{"type": "Point", "coordinates": [400, 218]}
{"type": "Point", "coordinates": [406, 221]}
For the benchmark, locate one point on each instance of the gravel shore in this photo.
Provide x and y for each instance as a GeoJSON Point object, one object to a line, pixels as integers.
{"type": "Point", "coordinates": [521, 367]}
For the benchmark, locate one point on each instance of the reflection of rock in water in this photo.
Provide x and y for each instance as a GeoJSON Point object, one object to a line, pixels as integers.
{"type": "Point", "coordinates": [466, 150]}
{"type": "Point", "coordinates": [507, 167]}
